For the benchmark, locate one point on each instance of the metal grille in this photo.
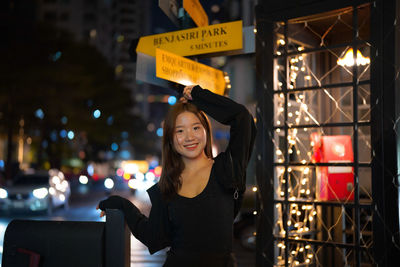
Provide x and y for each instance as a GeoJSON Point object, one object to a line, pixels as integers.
{"type": "Point", "coordinates": [320, 91]}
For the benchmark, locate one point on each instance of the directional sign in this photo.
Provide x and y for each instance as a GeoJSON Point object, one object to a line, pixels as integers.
{"type": "Point", "coordinates": [196, 12]}
{"type": "Point", "coordinates": [184, 71]}
{"type": "Point", "coordinates": [195, 41]}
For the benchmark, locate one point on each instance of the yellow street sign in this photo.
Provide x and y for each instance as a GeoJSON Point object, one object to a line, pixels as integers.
{"type": "Point", "coordinates": [188, 72]}
{"type": "Point", "coordinates": [195, 41]}
{"type": "Point", "coordinates": [196, 12]}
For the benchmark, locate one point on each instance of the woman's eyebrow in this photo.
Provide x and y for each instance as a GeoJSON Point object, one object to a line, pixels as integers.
{"type": "Point", "coordinates": [181, 126]}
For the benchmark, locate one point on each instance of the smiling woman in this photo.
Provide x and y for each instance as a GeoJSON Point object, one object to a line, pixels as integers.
{"type": "Point", "coordinates": [198, 196]}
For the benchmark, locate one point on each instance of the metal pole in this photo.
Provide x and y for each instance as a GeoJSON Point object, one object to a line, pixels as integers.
{"type": "Point", "coordinates": [117, 240]}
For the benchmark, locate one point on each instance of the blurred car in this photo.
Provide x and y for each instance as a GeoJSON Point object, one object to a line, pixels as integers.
{"type": "Point", "coordinates": [36, 191]}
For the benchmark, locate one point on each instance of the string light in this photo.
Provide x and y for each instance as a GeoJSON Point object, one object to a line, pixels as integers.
{"type": "Point", "coordinates": [301, 217]}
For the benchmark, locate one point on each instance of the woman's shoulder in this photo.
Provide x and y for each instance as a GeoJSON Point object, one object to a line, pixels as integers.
{"type": "Point", "coordinates": [155, 194]}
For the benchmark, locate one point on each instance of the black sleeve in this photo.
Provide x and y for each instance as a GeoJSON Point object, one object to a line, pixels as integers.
{"type": "Point", "coordinates": [231, 164]}
{"type": "Point", "coordinates": [151, 231]}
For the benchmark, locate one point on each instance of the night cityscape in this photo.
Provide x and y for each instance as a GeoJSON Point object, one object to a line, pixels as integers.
{"type": "Point", "coordinates": [86, 85]}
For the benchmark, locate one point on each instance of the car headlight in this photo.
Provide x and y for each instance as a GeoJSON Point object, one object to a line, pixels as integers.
{"type": "Point", "coordinates": [40, 192]}
{"type": "Point", "coordinates": [109, 183]}
{"type": "Point", "coordinates": [3, 193]}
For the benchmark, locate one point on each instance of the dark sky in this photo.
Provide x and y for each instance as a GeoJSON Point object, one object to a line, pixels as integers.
{"type": "Point", "coordinates": [161, 23]}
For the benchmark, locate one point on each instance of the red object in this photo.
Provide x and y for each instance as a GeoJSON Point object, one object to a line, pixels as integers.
{"type": "Point", "coordinates": [34, 258]}
{"type": "Point", "coordinates": [333, 182]}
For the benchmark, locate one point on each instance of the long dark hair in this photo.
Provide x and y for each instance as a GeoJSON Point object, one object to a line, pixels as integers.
{"type": "Point", "coordinates": [172, 164]}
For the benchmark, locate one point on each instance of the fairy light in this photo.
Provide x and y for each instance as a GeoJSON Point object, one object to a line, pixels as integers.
{"type": "Point", "coordinates": [297, 186]}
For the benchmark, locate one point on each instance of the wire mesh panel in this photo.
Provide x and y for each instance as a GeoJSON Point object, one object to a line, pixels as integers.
{"type": "Point", "coordinates": [322, 139]}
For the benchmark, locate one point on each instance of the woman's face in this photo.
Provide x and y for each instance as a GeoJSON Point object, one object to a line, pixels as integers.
{"type": "Point", "coordinates": [190, 136]}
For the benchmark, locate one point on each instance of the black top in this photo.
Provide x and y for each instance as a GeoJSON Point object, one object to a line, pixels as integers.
{"type": "Point", "coordinates": [199, 229]}
{"type": "Point", "coordinates": [202, 223]}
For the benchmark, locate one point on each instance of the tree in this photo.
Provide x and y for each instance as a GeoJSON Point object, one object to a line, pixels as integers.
{"type": "Point", "coordinates": [44, 70]}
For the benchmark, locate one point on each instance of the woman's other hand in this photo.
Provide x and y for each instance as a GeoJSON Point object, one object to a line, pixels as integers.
{"type": "Point", "coordinates": [113, 202]}
{"type": "Point", "coordinates": [102, 213]}
{"type": "Point", "coordinates": [187, 92]}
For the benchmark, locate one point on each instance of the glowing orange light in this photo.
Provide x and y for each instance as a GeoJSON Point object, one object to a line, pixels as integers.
{"type": "Point", "coordinates": [348, 59]}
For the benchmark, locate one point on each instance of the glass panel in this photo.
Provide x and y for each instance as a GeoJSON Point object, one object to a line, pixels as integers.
{"type": "Point", "coordinates": [364, 13]}
{"type": "Point", "coordinates": [279, 101]}
{"type": "Point", "coordinates": [345, 61]}
{"type": "Point", "coordinates": [364, 103]}
{"type": "Point", "coordinates": [301, 183]}
{"type": "Point", "coordinates": [365, 188]}
{"type": "Point", "coordinates": [364, 144]}
{"type": "Point", "coordinates": [321, 68]}
{"type": "Point", "coordinates": [303, 146]}
{"type": "Point", "coordinates": [279, 73]}
{"type": "Point", "coordinates": [278, 34]}
{"type": "Point", "coordinates": [320, 30]}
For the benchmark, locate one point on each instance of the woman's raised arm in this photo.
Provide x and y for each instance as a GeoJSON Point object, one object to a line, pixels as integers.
{"type": "Point", "coordinates": [242, 131]}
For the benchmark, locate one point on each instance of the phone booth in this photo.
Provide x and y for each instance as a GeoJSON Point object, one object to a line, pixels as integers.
{"type": "Point", "coordinates": [333, 182]}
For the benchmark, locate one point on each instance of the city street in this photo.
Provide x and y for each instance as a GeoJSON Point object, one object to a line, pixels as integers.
{"type": "Point", "coordinates": [83, 208]}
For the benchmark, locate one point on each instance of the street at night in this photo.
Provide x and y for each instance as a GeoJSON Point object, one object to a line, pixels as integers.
{"type": "Point", "coordinates": [232, 133]}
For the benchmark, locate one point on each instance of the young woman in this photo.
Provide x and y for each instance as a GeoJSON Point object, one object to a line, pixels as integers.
{"type": "Point", "coordinates": [198, 196]}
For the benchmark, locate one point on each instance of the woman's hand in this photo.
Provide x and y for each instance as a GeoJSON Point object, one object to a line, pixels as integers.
{"type": "Point", "coordinates": [102, 213]}
{"type": "Point", "coordinates": [112, 202]}
{"type": "Point", "coordinates": [187, 94]}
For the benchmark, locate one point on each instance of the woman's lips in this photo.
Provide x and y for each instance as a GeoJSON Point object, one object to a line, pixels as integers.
{"type": "Point", "coordinates": [191, 146]}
